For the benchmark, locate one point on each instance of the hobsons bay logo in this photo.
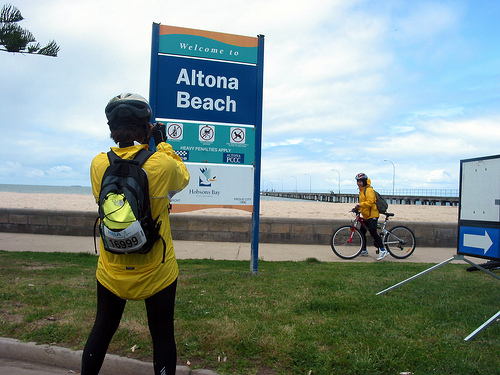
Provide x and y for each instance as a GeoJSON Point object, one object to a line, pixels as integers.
{"type": "Point", "coordinates": [205, 180]}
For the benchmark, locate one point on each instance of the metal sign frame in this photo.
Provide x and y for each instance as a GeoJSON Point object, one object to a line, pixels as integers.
{"type": "Point", "coordinates": [479, 213]}
{"type": "Point", "coordinates": [211, 83]}
{"type": "Point", "coordinates": [479, 220]}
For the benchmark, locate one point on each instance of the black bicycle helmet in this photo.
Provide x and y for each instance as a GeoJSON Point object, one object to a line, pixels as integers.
{"type": "Point", "coordinates": [361, 176]}
{"type": "Point", "coordinates": [127, 106]}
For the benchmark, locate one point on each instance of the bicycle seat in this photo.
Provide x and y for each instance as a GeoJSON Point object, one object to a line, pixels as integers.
{"type": "Point", "coordinates": [388, 214]}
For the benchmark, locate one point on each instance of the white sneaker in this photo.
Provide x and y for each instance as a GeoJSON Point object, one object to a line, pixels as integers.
{"type": "Point", "coordinates": [382, 254]}
{"type": "Point", "coordinates": [363, 253]}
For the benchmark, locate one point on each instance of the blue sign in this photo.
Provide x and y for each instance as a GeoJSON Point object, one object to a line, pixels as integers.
{"type": "Point", "coordinates": [234, 158]}
{"type": "Point", "coordinates": [216, 79]}
{"type": "Point", "coordinates": [479, 241]}
{"type": "Point", "coordinates": [183, 154]}
{"type": "Point", "coordinates": [203, 90]}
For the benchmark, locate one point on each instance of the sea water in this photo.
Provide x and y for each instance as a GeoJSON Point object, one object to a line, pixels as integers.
{"type": "Point", "coordinates": [46, 189]}
{"type": "Point", "coordinates": [87, 190]}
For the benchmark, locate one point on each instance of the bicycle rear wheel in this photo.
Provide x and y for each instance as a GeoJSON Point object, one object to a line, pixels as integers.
{"type": "Point", "coordinates": [400, 242]}
{"type": "Point", "coordinates": [347, 242]}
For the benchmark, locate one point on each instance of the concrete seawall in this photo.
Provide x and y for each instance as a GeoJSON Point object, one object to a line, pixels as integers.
{"type": "Point", "coordinates": [218, 228]}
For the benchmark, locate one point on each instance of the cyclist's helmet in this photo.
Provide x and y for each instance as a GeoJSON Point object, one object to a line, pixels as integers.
{"type": "Point", "coordinates": [127, 109]}
{"type": "Point", "coordinates": [361, 176]}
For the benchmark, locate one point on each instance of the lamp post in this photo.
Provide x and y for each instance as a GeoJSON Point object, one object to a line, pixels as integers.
{"type": "Point", "coordinates": [339, 177]}
{"type": "Point", "coordinates": [295, 183]}
{"type": "Point", "coordinates": [310, 182]}
{"type": "Point", "coordinates": [281, 184]}
{"type": "Point", "coordinates": [393, 175]}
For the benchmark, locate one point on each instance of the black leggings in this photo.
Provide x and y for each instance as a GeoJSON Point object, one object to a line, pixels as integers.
{"type": "Point", "coordinates": [160, 310]}
{"type": "Point", "coordinates": [372, 227]}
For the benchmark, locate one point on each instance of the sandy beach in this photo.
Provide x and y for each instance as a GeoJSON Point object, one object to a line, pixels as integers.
{"type": "Point", "coordinates": [320, 210]}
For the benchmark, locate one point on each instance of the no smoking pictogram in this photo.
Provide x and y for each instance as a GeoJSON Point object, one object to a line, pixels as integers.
{"type": "Point", "coordinates": [175, 131]}
{"type": "Point", "coordinates": [237, 135]}
{"type": "Point", "coordinates": [207, 133]}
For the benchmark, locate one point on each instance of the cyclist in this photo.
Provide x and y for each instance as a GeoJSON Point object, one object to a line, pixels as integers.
{"type": "Point", "coordinates": [369, 211]}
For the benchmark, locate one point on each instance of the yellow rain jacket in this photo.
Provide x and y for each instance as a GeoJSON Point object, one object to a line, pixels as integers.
{"type": "Point", "coordinates": [139, 276]}
{"type": "Point", "coordinates": [367, 201]}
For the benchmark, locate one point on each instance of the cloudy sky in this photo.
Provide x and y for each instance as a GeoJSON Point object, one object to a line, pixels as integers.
{"type": "Point", "coordinates": [349, 86]}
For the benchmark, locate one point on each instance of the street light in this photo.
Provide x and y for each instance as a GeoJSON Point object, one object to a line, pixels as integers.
{"type": "Point", "coordinates": [393, 174]}
{"type": "Point", "coordinates": [310, 182]}
{"type": "Point", "coordinates": [339, 177]}
{"type": "Point", "coordinates": [295, 183]}
{"type": "Point", "coordinates": [281, 184]}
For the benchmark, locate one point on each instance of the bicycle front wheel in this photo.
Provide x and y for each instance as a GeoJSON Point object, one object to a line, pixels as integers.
{"type": "Point", "coordinates": [347, 242]}
{"type": "Point", "coordinates": [400, 242]}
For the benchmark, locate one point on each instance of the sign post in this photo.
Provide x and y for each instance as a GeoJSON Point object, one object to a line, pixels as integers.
{"type": "Point", "coordinates": [256, 198]}
{"type": "Point", "coordinates": [207, 89]}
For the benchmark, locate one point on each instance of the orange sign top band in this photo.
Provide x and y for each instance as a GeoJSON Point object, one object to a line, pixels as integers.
{"type": "Point", "coordinates": [235, 40]}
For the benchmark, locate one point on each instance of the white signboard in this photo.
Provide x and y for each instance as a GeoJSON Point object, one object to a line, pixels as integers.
{"type": "Point", "coordinates": [216, 184]}
{"type": "Point", "coordinates": [480, 191]}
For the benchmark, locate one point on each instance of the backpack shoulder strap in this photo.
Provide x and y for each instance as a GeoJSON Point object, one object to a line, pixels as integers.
{"type": "Point", "coordinates": [142, 156]}
{"type": "Point", "coordinates": [112, 157]}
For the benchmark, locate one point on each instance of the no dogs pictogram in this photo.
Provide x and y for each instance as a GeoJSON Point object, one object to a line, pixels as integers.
{"type": "Point", "coordinates": [237, 135]}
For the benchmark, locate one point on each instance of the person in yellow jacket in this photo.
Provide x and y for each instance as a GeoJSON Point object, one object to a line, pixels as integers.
{"type": "Point", "coordinates": [151, 277]}
{"type": "Point", "coordinates": [368, 208]}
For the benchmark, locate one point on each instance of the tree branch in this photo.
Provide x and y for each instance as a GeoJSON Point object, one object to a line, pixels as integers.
{"type": "Point", "coordinates": [18, 40]}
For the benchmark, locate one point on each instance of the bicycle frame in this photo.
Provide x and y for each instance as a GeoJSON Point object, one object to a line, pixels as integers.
{"type": "Point", "coordinates": [358, 219]}
{"type": "Point", "coordinates": [354, 223]}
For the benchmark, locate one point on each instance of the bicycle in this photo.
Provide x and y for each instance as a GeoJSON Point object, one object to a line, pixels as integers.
{"type": "Point", "coordinates": [347, 241]}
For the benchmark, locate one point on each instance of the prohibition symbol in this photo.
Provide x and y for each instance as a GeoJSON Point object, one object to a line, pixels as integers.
{"type": "Point", "coordinates": [175, 131]}
{"type": "Point", "coordinates": [207, 133]}
{"type": "Point", "coordinates": [237, 135]}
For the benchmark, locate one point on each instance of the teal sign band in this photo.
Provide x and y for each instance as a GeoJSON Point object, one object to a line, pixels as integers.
{"type": "Point", "coordinates": [208, 143]}
{"type": "Point", "coordinates": [198, 46]}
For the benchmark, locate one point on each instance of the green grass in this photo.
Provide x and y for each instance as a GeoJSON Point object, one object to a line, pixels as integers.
{"type": "Point", "coordinates": [305, 317]}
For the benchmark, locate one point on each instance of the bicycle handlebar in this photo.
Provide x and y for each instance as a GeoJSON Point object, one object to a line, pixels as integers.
{"type": "Point", "coordinates": [357, 212]}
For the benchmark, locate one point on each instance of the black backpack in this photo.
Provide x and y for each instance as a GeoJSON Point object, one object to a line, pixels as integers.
{"type": "Point", "coordinates": [381, 203]}
{"type": "Point", "coordinates": [126, 225]}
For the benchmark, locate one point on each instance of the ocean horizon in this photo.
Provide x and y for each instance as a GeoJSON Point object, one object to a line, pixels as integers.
{"type": "Point", "coordinates": [46, 189]}
{"type": "Point", "coordinates": [87, 190]}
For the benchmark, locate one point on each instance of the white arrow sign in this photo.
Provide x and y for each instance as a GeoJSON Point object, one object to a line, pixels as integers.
{"type": "Point", "coordinates": [478, 241]}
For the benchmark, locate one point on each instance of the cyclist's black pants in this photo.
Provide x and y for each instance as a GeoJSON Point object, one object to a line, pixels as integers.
{"type": "Point", "coordinates": [160, 311]}
{"type": "Point", "coordinates": [372, 227]}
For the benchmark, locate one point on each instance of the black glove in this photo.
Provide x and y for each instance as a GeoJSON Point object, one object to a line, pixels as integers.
{"type": "Point", "coordinates": [158, 133]}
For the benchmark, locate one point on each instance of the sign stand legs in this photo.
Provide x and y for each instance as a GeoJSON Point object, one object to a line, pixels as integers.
{"type": "Point", "coordinates": [417, 275]}
{"type": "Point", "coordinates": [455, 257]}
{"type": "Point", "coordinates": [484, 325]}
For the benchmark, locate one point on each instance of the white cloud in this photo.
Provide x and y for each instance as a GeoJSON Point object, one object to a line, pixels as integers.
{"type": "Point", "coordinates": [438, 176]}
{"type": "Point", "coordinates": [347, 84]}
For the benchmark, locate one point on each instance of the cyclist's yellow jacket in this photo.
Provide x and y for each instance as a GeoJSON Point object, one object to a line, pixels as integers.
{"type": "Point", "coordinates": [367, 201]}
{"type": "Point", "coordinates": [139, 276]}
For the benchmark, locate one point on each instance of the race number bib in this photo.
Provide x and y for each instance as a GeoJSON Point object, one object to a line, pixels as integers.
{"type": "Point", "coordinates": [125, 240]}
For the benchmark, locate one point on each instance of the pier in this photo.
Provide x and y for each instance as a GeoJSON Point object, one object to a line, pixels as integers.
{"type": "Point", "coordinates": [405, 198]}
